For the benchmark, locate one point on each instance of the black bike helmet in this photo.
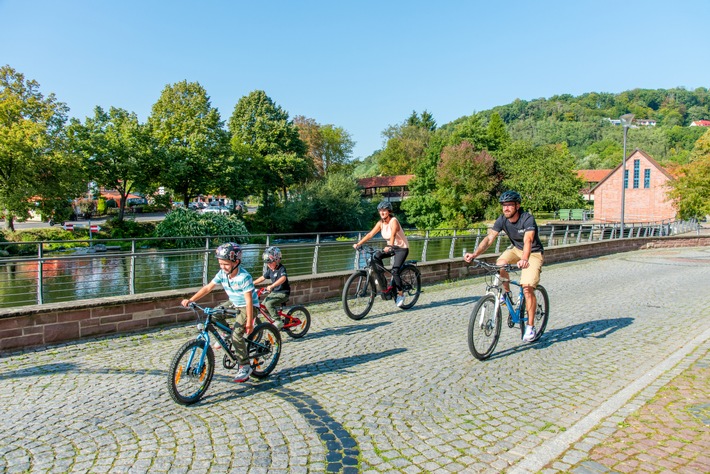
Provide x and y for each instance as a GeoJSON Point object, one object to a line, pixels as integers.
{"type": "Point", "coordinates": [229, 251]}
{"type": "Point", "coordinates": [272, 254]}
{"type": "Point", "coordinates": [385, 205]}
{"type": "Point", "coordinates": [510, 196]}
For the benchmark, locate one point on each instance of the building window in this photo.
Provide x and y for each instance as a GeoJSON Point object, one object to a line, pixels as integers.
{"type": "Point", "coordinates": [646, 178]}
{"type": "Point", "coordinates": [637, 173]}
{"type": "Point", "coordinates": [626, 179]}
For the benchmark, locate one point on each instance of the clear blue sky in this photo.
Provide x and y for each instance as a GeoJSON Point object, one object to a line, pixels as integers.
{"type": "Point", "coordinates": [361, 65]}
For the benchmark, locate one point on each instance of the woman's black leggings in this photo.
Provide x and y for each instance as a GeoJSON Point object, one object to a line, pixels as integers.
{"type": "Point", "coordinates": [400, 255]}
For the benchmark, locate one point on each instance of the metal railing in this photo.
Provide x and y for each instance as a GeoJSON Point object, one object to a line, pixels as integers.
{"type": "Point", "coordinates": [97, 269]}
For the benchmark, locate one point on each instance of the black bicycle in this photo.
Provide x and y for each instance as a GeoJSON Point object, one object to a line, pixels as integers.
{"type": "Point", "coordinates": [192, 367]}
{"type": "Point", "coordinates": [364, 284]}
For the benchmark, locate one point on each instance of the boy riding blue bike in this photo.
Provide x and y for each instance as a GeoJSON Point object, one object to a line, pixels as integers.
{"type": "Point", "coordinates": [239, 286]}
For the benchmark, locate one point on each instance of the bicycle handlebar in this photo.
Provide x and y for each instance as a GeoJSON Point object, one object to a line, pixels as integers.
{"type": "Point", "coordinates": [492, 268]}
{"type": "Point", "coordinates": [208, 310]}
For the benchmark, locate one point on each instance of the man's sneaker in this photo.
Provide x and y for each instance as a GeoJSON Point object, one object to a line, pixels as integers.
{"type": "Point", "coordinates": [529, 334]}
{"type": "Point", "coordinates": [279, 324]}
{"type": "Point", "coordinates": [243, 373]}
{"type": "Point", "coordinates": [216, 346]}
{"type": "Point", "coordinates": [399, 300]}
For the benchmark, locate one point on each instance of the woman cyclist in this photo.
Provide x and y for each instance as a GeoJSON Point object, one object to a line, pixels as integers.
{"type": "Point", "coordinates": [397, 244]}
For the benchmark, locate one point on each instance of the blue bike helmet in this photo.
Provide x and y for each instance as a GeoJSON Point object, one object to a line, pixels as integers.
{"type": "Point", "coordinates": [510, 196]}
{"type": "Point", "coordinates": [385, 205]}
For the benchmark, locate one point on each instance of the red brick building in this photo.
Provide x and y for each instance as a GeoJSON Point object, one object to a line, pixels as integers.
{"type": "Point", "coordinates": [646, 190]}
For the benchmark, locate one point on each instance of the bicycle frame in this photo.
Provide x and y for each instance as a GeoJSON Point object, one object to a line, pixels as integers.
{"type": "Point", "coordinates": [497, 290]}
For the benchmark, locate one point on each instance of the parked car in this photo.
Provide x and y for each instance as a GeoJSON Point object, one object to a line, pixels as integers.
{"type": "Point", "coordinates": [218, 209]}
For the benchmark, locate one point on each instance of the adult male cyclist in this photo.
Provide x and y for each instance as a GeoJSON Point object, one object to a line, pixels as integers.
{"type": "Point", "coordinates": [527, 251]}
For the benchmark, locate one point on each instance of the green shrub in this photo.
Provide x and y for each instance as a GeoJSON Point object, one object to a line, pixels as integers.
{"type": "Point", "coordinates": [186, 223]}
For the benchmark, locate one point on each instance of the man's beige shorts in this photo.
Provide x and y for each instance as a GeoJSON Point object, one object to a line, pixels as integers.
{"type": "Point", "coordinates": [528, 276]}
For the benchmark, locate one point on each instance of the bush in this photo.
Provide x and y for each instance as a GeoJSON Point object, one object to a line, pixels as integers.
{"type": "Point", "coordinates": [128, 229]}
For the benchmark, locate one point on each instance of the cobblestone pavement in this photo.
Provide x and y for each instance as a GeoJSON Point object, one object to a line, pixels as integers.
{"type": "Point", "coordinates": [620, 376]}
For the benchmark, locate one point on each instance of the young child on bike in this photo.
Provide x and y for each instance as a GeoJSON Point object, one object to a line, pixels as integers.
{"type": "Point", "coordinates": [239, 286]}
{"type": "Point", "coordinates": [397, 245]}
{"type": "Point", "coordinates": [279, 289]}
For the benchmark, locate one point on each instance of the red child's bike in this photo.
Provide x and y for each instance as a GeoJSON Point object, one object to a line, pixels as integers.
{"type": "Point", "coordinates": [297, 320]}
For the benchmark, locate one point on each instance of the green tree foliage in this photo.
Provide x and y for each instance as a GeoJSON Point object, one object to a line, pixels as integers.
{"type": "Point", "coordinates": [183, 222]}
{"type": "Point", "coordinates": [406, 144]}
{"type": "Point", "coordinates": [465, 182]}
{"type": "Point", "coordinates": [259, 125]}
{"type": "Point", "coordinates": [422, 208]}
{"type": "Point", "coordinates": [119, 152]}
{"type": "Point", "coordinates": [581, 122]}
{"type": "Point", "coordinates": [329, 147]}
{"type": "Point", "coordinates": [544, 175]}
{"type": "Point", "coordinates": [193, 143]}
{"type": "Point", "coordinates": [333, 204]}
{"type": "Point", "coordinates": [264, 126]}
{"type": "Point", "coordinates": [34, 162]}
{"type": "Point", "coordinates": [691, 190]}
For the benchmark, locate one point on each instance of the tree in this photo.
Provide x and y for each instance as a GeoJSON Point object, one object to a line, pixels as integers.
{"type": "Point", "coordinates": [259, 125]}
{"type": "Point", "coordinates": [465, 181]}
{"type": "Point", "coordinates": [34, 163]}
{"type": "Point", "coordinates": [329, 147]}
{"type": "Point", "coordinates": [193, 143]}
{"type": "Point", "coordinates": [119, 152]}
{"type": "Point", "coordinates": [333, 204]}
{"type": "Point", "coordinates": [691, 190]}
{"type": "Point", "coordinates": [406, 144]}
{"type": "Point", "coordinates": [543, 175]}
{"type": "Point", "coordinates": [422, 207]}
{"type": "Point", "coordinates": [264, 126]}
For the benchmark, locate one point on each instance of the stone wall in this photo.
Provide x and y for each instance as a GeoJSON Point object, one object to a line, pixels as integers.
{"type": "Point", "coordinates": [40, 325]}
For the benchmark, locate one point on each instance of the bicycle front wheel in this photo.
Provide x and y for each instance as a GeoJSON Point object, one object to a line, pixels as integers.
{"type": "Point", "coordinates": [358, 295]}
{"type": "Point", "coordinates": [191, 372]}
{"type": "Point", "coordinates": [264, 349]}
{"type": "Point", "coordinates": [542, 312]}
{"type": "Point", "coordinates": [411, 285]}
{"type": "Point", "coordinates": [484, 327]}
{"type": "Point", "coordinates": [298, 322]}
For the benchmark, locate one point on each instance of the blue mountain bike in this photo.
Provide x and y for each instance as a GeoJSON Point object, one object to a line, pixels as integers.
{"type": "Point", "coordinates": [192, 367]}
{"type": "Point", "coordinates": [486, 318]}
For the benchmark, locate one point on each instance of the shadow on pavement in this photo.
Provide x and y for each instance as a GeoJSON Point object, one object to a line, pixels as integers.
{"type": "Point", "coordinates": [597, 329]}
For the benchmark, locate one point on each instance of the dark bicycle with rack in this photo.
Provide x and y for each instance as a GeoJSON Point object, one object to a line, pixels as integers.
{"type": "Point", "coordinates": [192, 367]}
{"type": "Point", "coordinates": [364, 284]}
{"type": "Point", "coordinates": [485, 322]}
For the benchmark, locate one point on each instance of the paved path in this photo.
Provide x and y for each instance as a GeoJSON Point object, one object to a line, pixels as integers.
{"type": "Point", "coordinates": [399, 391]}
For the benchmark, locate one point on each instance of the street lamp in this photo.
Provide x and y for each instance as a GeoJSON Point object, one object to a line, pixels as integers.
{"type": "Point", "coordinates": [626, 120]}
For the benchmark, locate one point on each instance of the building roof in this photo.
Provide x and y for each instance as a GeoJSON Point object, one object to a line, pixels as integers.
{"type": "Point", "coordinates": [700, 123]}
{"type": "Point", "coordinates": [592, 176]}
{"type": "Point", "coordinates": [385, 181]}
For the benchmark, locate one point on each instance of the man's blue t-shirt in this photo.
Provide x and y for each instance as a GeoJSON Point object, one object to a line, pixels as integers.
{"type": "Point", "coordinates": [237, 286]}
{"type": "Point", "coordinates": [516, 231]}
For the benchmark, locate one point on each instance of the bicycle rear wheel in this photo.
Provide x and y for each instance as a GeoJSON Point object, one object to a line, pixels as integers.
{"type": "Point", "coordinates": [301, 318]}
{"type": "Point", "coordinates": [358, 295]}
{"type": "Point", "coordinates": [411, 285]}
{"type": "Point", "coordinates": [484, 328]}
{"type": "Point", "coordinates": [542, 312]}
{"type": "Point", "coordinates": [187, 379]}
{"type": "Point", "coordinates": [264, 349]}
